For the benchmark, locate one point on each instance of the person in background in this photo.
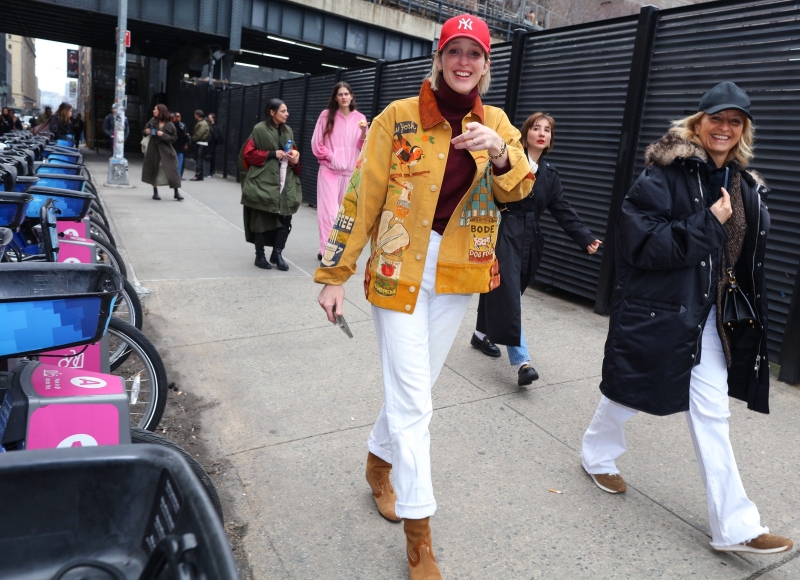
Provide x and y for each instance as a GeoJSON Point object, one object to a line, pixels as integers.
{"type": "Point", "coordinates": [179, 144]}
{"type": "Point", "coordinates": [693, 225]}
{"type": "Point", "coordinates": [44, 117]}
{"type": "Point", "coordinates": [200, 138]}
{"type": "Point", "coordinates": [520, 244]}
{"type": "Point", "coordinates": [215, 139]}
{"type": "Point", "coordinates": [336, 143]}
{"type": "Point", "coordinates": [423, 194]}
{"type": "Point", "coordinates": [160, 161]}
{"type": "Point", "coordinates": [270, 175]}
{"type": "Point", "coordinates": [109, 124]}
{"type": "Point", "coordinates": [5, 122]}
{"type": "Point", "coordinates": [78, 128]}
{"type": "Point", "coordinates": [61, 123]}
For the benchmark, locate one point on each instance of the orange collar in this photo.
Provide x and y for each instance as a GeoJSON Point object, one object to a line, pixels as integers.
{"type": "Point", "coordinates": [428, 111]}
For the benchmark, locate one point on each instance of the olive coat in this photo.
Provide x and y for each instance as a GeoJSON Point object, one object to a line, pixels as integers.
{"type": "Point", "coordinates": [520, 244]}
{"type": "Point", "coordinates": [161, 152]}
{"type": "Point", "coordinates": [668, 251]}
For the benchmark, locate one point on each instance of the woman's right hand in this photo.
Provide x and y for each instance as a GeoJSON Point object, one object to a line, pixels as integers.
{"type": "Point", "coordinates": [722, 207]}
{"type": "Point", "coordinates": [280, 154]}
{"type": "Point", "coordinates": [331, 299]}
{"type": "Point", "coordinates": [147, 131]}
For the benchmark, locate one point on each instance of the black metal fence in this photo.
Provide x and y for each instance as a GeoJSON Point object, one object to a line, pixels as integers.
{"type": "Point", "coordinates": [612, 86]}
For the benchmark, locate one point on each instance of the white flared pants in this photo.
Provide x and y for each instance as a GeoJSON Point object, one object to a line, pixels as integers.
{"type": "Point", "coordinates": [413, 349]}
{"type": "Point", "coordinates": [733, 518]}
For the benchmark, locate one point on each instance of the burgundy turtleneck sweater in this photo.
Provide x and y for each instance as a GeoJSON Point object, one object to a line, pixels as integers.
{"type": "Point", "coordinates": [460, 168]}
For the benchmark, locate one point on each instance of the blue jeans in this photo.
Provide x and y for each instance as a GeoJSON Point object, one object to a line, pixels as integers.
{"type": "Point", "coordinates": [519, 354]}
{"type": "Point", "coordinates": [180, 164]}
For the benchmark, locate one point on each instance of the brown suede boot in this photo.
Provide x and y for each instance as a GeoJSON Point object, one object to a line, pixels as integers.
{"type": "Point", "coordinates": [419, 550]}
{"type": "Point", "coordinates": [378, 479]}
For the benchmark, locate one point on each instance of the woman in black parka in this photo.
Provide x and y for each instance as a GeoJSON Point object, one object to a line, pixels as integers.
{"type": "Point", "coordinates": [693, 210]}
{"type": "Point", "coordinates": [520, 243]}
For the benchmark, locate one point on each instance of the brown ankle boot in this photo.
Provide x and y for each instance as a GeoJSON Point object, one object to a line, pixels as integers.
{"type": "Point", "coordinates": [378, 479]}
{"type": "Point", "coordinates": [419, 550]}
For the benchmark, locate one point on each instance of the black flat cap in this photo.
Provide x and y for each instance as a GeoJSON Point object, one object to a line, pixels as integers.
{"type": "Point", "coordinates": [725, 96]}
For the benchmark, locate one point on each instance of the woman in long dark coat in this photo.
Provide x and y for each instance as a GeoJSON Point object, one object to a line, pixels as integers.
{"type": "Point", "coordinates": [693, 213]}
{"type": "Point", "coordinates": [520, 244]}
{"type": "Point", "coordinates": [160, 161]}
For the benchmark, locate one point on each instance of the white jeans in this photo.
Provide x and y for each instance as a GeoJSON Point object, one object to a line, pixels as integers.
{"type": "Point", "coordinates": [413, 349]}
{"type": "Point", "coordinates": [733, 518]}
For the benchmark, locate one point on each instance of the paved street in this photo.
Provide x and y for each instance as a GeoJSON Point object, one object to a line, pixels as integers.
{"type": "Point", "coordinates": [289, 401]}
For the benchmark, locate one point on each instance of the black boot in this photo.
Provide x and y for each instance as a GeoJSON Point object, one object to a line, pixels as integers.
{"type": "Point", "coordinates": [261, 259]}
{"type": "Point", "coordinates": [155, 193]}
{"type": "Point", "coordinates": [281, 235]}
{"type": "Point", "coordinates": [178, 196]}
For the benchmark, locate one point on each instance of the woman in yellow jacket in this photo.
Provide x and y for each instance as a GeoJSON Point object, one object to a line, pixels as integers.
{"type": "Point", "coordinates": [423, 194]}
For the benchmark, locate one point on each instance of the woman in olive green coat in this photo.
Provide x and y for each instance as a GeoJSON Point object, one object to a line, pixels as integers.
{"type": "Point", "coordinates": [269, 168]}
{"type": "Point", "coordinates": [160, 160]}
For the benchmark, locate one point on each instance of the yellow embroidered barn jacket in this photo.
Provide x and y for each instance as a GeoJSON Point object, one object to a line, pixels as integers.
{"type": "Point", "coordinates": [391, 199]}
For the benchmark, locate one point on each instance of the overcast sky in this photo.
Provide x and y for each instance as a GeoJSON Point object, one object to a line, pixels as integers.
{"type": "Point", "coordinates": [51, 65]}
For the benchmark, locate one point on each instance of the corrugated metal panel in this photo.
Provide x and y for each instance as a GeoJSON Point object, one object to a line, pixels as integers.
{"type": "Point", "coordinates": [403, 79]}
{"type": "Point", "coordinates": [694, 51]}
{"type": "Point", "coordinates": [250, 112]}
{"type": "Point", "coordinates": [501, 55]}
{"type": "Point", "coordinates": [319, 91]}
{"type": "Point", "coordinates": [224, 120]}
{"type": "Point", "coordinates": [234, 130]}
{"type": "Point", "coordinates": [362, 82]}
{"type": "Point", "coordinates": [292, 95]}
{"type": "Point", "coordinates": [580, 77]}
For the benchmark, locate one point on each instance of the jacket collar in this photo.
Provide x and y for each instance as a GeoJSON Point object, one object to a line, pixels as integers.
{"type": "Point", "coordinates": [428, 111]}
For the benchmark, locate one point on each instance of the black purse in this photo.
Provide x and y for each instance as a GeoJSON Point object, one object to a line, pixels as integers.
{"type": "Point", "coordinates": [737, 311]}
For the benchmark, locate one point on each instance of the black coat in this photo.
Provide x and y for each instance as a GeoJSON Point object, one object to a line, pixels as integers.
{"type": "Point", "coordinates": [668, 250]}
{"type": "Point", "coordinates": [520, 243]}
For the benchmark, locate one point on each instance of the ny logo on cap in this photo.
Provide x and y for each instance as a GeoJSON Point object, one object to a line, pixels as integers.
{"type": "Point", "coordinates": [465, 23]}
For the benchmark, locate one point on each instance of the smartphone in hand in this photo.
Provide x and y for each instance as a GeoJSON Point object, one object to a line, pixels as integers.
{"type": "Point", "coordinates": [343, 325]}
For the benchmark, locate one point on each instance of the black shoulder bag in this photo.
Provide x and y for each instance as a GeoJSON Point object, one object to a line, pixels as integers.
{"type": "Point", "coordinates": [737, 311]}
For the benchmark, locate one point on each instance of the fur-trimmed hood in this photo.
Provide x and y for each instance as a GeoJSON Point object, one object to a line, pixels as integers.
{"type": "Point", "coordinates": [671, 147]}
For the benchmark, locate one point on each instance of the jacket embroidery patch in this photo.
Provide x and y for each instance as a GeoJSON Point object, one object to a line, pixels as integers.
{"type": "Point", "coordinates": [408, 154]}
{"type": "Point", "coordinates": [404, 127]}
{"type": "Point", "coordinates": [480, 215]}
{"type": "Point", "coordinates": [391, 238]}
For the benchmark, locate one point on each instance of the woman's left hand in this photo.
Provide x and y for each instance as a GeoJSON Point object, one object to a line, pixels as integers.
{"type": "Point", "coordinates": [160, 133]}
{"type": "Point", "coordinates": [294, 157]}
{"type": "Point", "coordinates": [479, 137]}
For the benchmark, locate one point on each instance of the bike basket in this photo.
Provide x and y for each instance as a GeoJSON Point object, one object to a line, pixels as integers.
{"type": "Point", "coordinates": [56, 168]}
{"type": "Point", "coordinates": [71, 182]}
{"type": "Point", "coordinates": [13, 208]}
{"type": "Point", "coordinates": [58, 154]}
{"type": "Point", "coordinates": [137, 510]}
{"type": "Point", "coordinates": [45, 306]}
{"type": "Point", "coordinates": [65, 142]}
{"type": "Point", "coordinates": [25, 182]}
{"type": "Point", "coordinates": [74, 205]}
{"type": "Point", "coordinates": [5, 239]}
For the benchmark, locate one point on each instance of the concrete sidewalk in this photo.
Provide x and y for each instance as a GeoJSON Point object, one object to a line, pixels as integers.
{"type": "Point", "coordinates": [290, 401]}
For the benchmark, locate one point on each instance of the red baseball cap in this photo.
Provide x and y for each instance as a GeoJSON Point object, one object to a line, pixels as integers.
{"type": "Point", "coordinates": [466, 26]}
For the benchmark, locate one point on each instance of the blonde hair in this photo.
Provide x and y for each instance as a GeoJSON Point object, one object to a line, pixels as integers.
{"type": "Point", "coordinates": [742, 151]}
{"type": "Point", "coordinates": [436, 75]}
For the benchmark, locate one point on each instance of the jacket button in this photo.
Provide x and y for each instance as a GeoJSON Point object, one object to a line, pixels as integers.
{"type": "Point", "coordinates": [763, 232]}
{"type": "Point", "coordinates": [424, 222]}
{"type": "Point", "coordinates": [652, 314]}
{"type": "Point", "coordinates": [419, 256]}
{"type": "Point", "coordinates": [702, 263]}
{"type": "Point", "coordinates": [758, 295]}
{"type": "Point", "coordinates": [411, 289]}
{"type": "Point", "coordinates": [445, 126]}
{"type": "Point", "coordinates": [441, 155]}
{"type": "Point", "coordinates": [699, 326]}
{"type": "Point", "coordinates": [705, 295]}
{"type": "Point", "coordinates": [408, 307]}
{"type": "Point", "coordinates": [692, 356]}
{"type": "Point", "coordinates": [696, 200]}
{"type": "Point", "coordinates": [433, 188]}
{"type": "Point", "coordinates": [759, 264]}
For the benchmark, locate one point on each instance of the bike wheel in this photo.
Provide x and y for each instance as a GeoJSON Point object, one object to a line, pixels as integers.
{"type": "Point", "coordinates": [96, 227]}
{"type": "Point", "coordinates": [108, 255]}
{"type": "Point", "coordinates": [142, 436]}
{"type": "Point", "coordinates": [128, 308]}
{"type": "Point", "coordinates": [97, 212]}
{"type": "Point", "coordinates": [133, 357]}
